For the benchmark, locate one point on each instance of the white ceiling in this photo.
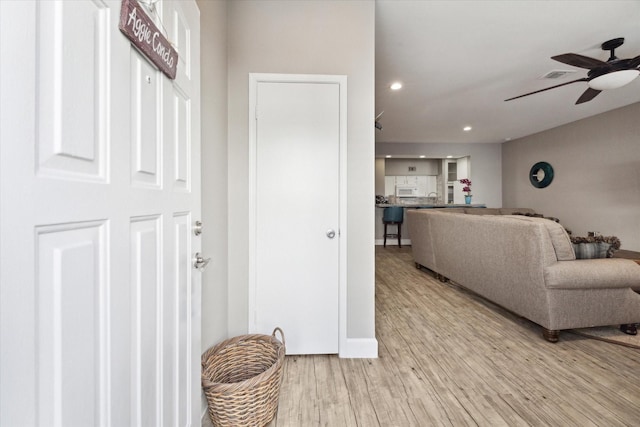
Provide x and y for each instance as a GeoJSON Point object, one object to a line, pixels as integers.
{"type": "Point", "coordinates": [459, 60]}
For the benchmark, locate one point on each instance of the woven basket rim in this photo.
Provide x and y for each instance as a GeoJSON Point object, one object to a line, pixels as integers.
{"type": "Point", "coordinates": [208, 384]}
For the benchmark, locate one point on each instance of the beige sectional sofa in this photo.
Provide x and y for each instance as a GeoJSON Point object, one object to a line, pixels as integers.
{"type": "Point", "coordinates": [526, 265]}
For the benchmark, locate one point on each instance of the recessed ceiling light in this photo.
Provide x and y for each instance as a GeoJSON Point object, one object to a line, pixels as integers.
{"type": "Point", "coordinates": [422, 157]}
{"type": "Point", "coordinates": [466, 128]}
{"type": "Point", "coordinates": [507, 139]}
{"type": "Point", "coordinates": [395, 86]}
{"type": "Point", "coordinates": [388, 157]}
{"type": "Point", "coordinates": [449, 157]}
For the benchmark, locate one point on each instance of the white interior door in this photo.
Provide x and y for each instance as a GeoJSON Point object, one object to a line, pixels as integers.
{"type": "Point", "coordinates": [100, 186]}
{"type": "Point", "coordinates": [297, 214]}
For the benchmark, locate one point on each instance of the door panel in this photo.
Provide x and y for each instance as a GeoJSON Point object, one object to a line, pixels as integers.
{"type": "Point", "coordinates": [297, 203]}
{"type": "Point", "coordinates": [180, 139]}
{"type": "Point", "coordinates": [146, 144]}
{"type": "Point", "coordinates": [72, 77]}
{"type": "Point", "coordinates": [183, 324]}
{"type": "Point", "coordinates": [146, 312]}
{"type": "Point", "coordinates": [71, 332]}
{"type": "Point", "coordinates": [97, 282]}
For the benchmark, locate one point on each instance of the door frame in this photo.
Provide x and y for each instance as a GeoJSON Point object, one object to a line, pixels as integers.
{"type": "Point", "coordinates": [341, 81]}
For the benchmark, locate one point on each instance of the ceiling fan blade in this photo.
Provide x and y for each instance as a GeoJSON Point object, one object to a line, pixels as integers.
{"type": "Point", "coordinates": [588, 95]}
{"type": "Point", "coordinates": [635, 62]}
{"type": "Point", "coordinates": [547, 88]}
{"type": "Point", "coordinates": [579, 60]}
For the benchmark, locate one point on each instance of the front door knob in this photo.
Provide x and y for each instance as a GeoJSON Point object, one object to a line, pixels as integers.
{"type": "Point", "coordinates": [200, 263]}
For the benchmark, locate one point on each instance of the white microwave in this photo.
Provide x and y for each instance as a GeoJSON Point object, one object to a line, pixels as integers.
{"type": "Point", "coordinates": [406, 191]}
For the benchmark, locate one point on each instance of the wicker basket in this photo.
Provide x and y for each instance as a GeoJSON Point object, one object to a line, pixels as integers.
{"type": "Point", "coordinates": [241, 379]}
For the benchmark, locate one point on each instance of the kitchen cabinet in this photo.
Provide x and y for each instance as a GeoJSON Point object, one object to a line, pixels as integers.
{"type": "Point", "coordinates": [452, 171]}
{"type": "Point", "coordinates": [406, 180]}
{"type": "Point", "coordinates": [424, 184]}
{"type": "Point", "coordinates": [389, 186]}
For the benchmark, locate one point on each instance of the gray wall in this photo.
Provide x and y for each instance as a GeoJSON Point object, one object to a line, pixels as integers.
{"type": "Point", "coordinates": [213, 33]}
{"type": "Point", "coordinates": [486, 164]}
{"type": "Point", "coordinates": [596, 185]}
{"type": "Point", "coordinates": [305, 37]}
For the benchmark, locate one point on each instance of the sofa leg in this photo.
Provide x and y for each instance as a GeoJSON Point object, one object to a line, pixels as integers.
{"type": "Point", "coordinates": [550, 335]}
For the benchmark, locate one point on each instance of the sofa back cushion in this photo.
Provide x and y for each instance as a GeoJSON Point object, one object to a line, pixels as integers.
{"type": "Point", "coordinates": [482, 211]}
{"type": "Point", "coordinates": [512, 211]}
{"type": "Point", "coordinates": [559, 237]}
{"type": "Point", "coordinates": [448, 210]}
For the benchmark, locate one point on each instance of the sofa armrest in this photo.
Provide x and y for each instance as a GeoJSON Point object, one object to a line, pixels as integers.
{"type": "Point", "coordinates": [603, 273]}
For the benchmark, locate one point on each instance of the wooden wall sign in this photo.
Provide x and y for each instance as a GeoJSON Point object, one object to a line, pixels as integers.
{"type": "Point", "coordinates": [143, 33]}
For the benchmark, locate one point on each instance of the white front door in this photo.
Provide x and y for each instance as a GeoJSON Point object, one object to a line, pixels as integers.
{"type": "Point", "coordinates": [297, 235]}
{"type": "Point", "coordinates": [100, 188]}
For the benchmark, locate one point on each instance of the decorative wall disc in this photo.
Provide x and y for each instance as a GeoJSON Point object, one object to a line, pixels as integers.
{"type": "Point", "coordinates": [541, 174]}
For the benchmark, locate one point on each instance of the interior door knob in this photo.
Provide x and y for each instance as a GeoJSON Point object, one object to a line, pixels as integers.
{"type": "Point", "coordinates": [331, 233]}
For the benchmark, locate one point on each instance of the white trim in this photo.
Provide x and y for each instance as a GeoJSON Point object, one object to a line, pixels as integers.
{"type": "Point", "coordinates": [254, 79]}
{"type": "Point", "coordinates": [360, 348]}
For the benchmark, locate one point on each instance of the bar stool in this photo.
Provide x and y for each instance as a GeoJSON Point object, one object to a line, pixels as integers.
{"type": "Point", "coordinates": [393, 216]}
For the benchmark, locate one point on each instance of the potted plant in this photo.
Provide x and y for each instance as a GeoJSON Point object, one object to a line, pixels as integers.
{"type": "Point", "coordinates": [467, 189]}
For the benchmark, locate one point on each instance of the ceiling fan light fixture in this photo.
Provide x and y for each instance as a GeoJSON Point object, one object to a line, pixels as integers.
{"type": "Point", "coordinates": [613, 80]}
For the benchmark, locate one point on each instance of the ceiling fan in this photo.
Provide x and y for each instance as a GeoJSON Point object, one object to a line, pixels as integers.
{"type": "Point", "coordinates": [602, 75]}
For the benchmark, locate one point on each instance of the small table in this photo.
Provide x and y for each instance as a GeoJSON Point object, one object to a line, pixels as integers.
{"type": "Point", "coordinates": [632, 255]}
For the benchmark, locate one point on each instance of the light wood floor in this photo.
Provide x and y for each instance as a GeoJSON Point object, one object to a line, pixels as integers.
{"type": "Point", "coordinates": [449, 358]}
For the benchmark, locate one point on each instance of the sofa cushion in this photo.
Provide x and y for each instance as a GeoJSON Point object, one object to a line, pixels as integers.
{"type": "Point", "coordinates": [448, 210]}
{"type": "Point", "coordinates": [482, 211]}
{"type": "Point", "coordinates": [591, 250]}
{"type": "Point", "coordinates": [559, 237]}
{"type": "Point", "coordinates": [513, 211]}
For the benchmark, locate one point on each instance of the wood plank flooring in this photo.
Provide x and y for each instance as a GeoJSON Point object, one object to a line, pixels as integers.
{"type": "Point", "coordinates": [450, 358]}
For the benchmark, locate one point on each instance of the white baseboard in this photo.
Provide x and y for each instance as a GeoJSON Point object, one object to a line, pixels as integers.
{"type": "Point", "coordinates": [360, 348]}
{"type": "Point", "coordinates": [393, 242]}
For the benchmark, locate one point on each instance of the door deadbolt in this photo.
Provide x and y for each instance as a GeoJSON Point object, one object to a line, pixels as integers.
{"type": "Point", "coordinates": [197, 229]}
